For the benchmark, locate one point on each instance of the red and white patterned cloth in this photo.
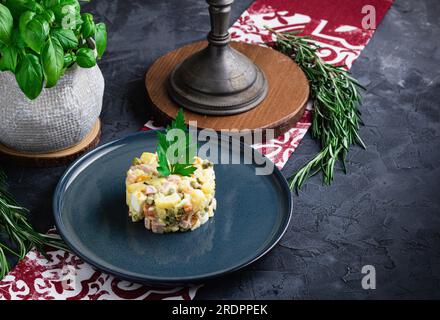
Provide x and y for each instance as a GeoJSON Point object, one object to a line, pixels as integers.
{"type": "Point", "coordinates": [335, 25]}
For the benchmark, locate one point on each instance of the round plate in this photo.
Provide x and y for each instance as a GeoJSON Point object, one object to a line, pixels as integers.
{"type": "Point", "coordinates": [253, 212]}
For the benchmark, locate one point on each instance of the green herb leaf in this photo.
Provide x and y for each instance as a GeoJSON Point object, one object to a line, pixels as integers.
{"type": "Point", "coordinates": [85, 58]}
{"type": "Point", "coordinates": [163, 167]}
{"type": "Point", "coordinates": [69, 59]}
{"type": "Point", "coordinates": [17, 7]}
{"type": "Point", "coordinates": [29, 75]}
{"type": "Point", "coordinates": [335, 96]}
{"type": "Point", "coordinates": [179, 122]}
{"type": "Point", "coordinates": [39, 28]}
{"type": "Point", "coordinates": [162, 140]}
{"type": "Point", "coordinates": [48, 16]}
{"type": "Point", "coordinates": [184, 169]}
{"type": "Point", "coordinates": [183, 164]}
{"type": "Point", "coordinates": [88, 27]}
{"type": "Point", "coordinates": [52, 59]}
{"type": "Point", "coordinates": [14, 224]}
{"type": "Point", "coordinates": [6, 24]}
{"type": "Point", "coordinates": [34, 30]}
{"type": "Point", "coordinates": [17, 39]}
{"type": "Point", "coordinates": [50, 3]}
{"type": "Point", "coordinates": [187, 148]}
{"type": "Point", "coordinates": [9, 58]}
{"type": "Point", "coordinates": [66, 37]}
{"type": "Point", "coordinates": [25, 18]}
{"type": "Point", "coordinates": [66, 12]}
{"type": "Point", "coordinates": [101, 38]}
{"type": "Point", "coordinates": [39, 8]}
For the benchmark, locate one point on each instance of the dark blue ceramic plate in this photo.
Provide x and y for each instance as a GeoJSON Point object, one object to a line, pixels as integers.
{"type": "Point", "coordinates": [252, 214]}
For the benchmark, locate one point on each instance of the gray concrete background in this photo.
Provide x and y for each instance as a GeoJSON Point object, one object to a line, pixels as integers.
{"type": "Point", "coordinates": [384, 212]}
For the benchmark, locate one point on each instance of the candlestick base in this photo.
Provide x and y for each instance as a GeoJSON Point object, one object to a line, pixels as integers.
{"type": "Point", "coordinates": [288, 91]}
{"type": "Point", "coordinates": [218, 80]}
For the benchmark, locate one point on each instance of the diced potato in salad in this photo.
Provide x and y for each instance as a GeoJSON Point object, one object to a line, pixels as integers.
{"type": "Point", "coordinates": [173, 203]}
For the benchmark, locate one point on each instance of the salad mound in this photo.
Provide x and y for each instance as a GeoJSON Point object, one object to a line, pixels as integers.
{"type": "Point", "coordinates": [170, 203]}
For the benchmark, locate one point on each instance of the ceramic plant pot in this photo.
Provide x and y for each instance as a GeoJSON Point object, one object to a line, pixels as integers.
{"type": "Point", "coordinates": [59, 118]}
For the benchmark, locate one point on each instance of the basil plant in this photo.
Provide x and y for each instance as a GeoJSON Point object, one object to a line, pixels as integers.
{"type": "Point", "coordinates": [40, 39]}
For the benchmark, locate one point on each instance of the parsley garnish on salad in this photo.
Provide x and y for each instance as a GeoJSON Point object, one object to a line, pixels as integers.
{"type": "Point", "coordinates": [185, 150]}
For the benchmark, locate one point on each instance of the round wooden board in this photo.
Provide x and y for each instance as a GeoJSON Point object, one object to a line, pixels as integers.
{"type": "Point", "coordinates": [56, 158]}
{"type": "Point", "coordinates": [282, 108]}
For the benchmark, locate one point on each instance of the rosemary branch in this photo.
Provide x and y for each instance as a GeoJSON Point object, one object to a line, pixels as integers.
{"type": "Point", "coordinates": [15, 227]}
{"type": "Point", "coordinates": [335, 96]}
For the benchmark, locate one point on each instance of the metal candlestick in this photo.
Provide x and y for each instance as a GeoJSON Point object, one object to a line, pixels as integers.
{"type": "Point", "coordinates": [218, 80]}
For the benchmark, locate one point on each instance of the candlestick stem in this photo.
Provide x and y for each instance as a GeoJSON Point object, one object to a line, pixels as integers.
{"type": "Point", "coordinates": [218, 80]}
{"type": "Point", "coordinates": [219, 12]}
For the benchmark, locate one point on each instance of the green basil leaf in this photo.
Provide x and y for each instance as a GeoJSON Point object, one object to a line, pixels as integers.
{"type": "Point", "coordinates": [50, 3]}
{"type": "Point", "coordinates": [66, 13]}
{"type": "Point", "coordinates": [39, 8]}
{"type": "Point", "coordinates": [25, 18]}
{"type": "Point", "coordinates": [17, 39]}
{"type": "Point", "coordinates": [69, 59]}
{"type": "Point", "coordinates": [79, 23]}
{"type": "Point", "coordinates": [17, 7]}
{"type": "Point", "coordinates": [9, 57]}
{"type": "Point", "coordinates": [29, 75]}
{"type": "Point", "coordinates": [88, 25]}
{"type": "Point", "coordinates": [66, 37]}
{"type": "Point", "coordinates": [34, 30]}
{"type": "Point", "coordinates": [85, 58]}
{"type": "Point", "coordinates": [48, 15]}
{"type": "Point", "coordinates": [45, 24]}
{"type": "Point", "coordinates": [6, 24]}
{"type": "Point", "coordinates": [101, 39]}
{"type": "Point", "coordinates": [52, 59]}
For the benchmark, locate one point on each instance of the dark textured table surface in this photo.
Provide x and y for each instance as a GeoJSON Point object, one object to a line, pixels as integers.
{"type": "Point", "coordinates": [385, 212]}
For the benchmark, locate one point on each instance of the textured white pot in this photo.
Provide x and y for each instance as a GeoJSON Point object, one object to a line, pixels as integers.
{"type": "Point", "coordinates": [59, 118]}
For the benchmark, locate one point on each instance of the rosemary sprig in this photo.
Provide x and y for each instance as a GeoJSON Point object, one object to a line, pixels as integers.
{"type": "Point", "coordinates": [17, 236]}
{"type": "Point", "coordinates": [335, 96]}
